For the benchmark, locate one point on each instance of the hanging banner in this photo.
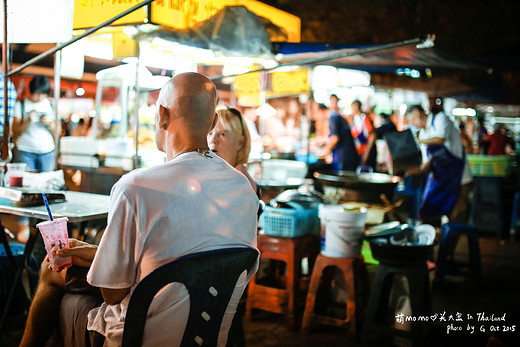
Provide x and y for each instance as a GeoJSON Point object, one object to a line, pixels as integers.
{"type": "Point", "coordinates": [178, 14]}
{"type": "Point", "coordinates": [279, 83]}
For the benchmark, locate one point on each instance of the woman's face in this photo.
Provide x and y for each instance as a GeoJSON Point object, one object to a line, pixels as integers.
{"type": "Point", "coordinates": [225, 143]}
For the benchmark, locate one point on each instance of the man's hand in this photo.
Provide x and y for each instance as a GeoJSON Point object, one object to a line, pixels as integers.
{"type": "Point", "coordinates": [425, 167]}
{"type": "Point", "coordinates": [82, 253]}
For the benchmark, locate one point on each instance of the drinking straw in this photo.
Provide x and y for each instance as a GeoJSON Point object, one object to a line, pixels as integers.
{"type": "Point", "coordinates": [47, 206]}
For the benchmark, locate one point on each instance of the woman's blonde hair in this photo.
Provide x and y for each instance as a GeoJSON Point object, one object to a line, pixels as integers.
{"type": "Point", "coordinates": [232, 120]}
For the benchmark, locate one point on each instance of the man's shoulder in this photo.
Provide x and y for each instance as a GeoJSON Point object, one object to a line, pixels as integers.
{"type": "Point", "coordinates": [172, 172]}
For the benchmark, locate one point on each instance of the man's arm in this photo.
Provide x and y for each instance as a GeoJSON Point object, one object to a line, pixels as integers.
{"type": "Point", "coordinates": [83, 254]}
{"type": "Point", "coordinates": [114, 296]}
{"type": "Point", "coordinates": [371, 140]}
{"type": "Point", "coordinates": [19, 126]}
{"type": "Point", "coordinates": [333, 141]}
{"type": "Point", "coordinates": [434, 141]}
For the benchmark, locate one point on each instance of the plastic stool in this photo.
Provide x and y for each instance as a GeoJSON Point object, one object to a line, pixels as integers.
{"type": "Point", "coordinates": [353, 269]}
{"type": "Point", "coordinates": [448, 231]}
{"type": "Point", "coordinates": [374, 327]}
{"type": "Point", "coordinates": [282, 300]}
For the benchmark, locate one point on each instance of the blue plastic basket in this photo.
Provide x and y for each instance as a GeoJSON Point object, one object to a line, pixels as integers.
{"type": "Point", "coordinates": [289, 222]}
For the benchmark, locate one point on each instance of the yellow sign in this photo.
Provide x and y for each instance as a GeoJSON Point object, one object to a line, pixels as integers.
{"type": "Point", "coordinates": [123, 46]}
{"type": "Point", "coordinates": [280, 83]}
{"type": "Point", "coordinates": [178, 14]}
{"type": "Point", "coordinates": [247, 89]}
{"type": "Point", "coordinates": [89, 13]}
{"type": "Point", "coordinates": [182, 14]}
{"type": "Point", "coordinates": [289, 82]}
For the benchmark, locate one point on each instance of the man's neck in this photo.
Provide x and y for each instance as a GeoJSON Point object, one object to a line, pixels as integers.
{"type": "Point", "coordinates": [185, 149]}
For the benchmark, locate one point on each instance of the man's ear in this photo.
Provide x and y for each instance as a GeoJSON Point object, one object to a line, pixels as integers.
{"type": "Point", "coordinates": [164, 117]}
{"type": "Point", "coordinates": [214, 123]}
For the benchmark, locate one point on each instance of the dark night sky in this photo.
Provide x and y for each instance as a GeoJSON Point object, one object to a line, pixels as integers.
{"type": "Point", "coordinates": [481, 31]}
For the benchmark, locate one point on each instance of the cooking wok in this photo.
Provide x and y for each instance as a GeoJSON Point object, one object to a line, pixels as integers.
{"type": "Point", "coordinates": [345, 186]}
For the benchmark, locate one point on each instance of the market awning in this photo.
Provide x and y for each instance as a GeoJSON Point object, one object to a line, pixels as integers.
{"type": "Point", "coordinates": [233, 31]}
{"type": "Point", "coordinates": [407, 56]}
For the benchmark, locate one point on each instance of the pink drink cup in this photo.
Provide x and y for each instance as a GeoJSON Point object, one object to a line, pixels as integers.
{"type": "Point", "coordinates": [55, 237]}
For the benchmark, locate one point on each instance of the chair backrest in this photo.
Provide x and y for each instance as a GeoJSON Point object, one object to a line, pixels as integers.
{"type": "Point", "coordinates": [210, 278]}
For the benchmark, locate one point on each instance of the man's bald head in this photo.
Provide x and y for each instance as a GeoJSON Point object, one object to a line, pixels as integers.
{"type": "Point", "coordinates": [186, 109]}
{"type": "Point", "coordinates": [189, 95]}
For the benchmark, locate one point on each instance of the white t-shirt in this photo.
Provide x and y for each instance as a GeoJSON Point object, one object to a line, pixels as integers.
{"type": "Point", "coordinates": [37, 138]}
{"type": "Point", "coordinates": [444, 128]}
{"type": "Point", "coordinates": [190, 204]}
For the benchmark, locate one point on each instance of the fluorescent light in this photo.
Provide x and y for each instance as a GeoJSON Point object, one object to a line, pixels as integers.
{"type": "Point", "coordinates": [460, 112]}
{"type": "Point", "coordinates": [506, 120]}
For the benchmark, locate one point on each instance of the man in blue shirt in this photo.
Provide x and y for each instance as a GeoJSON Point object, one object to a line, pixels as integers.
{"type": "Point", "coordinates": [341, 143]}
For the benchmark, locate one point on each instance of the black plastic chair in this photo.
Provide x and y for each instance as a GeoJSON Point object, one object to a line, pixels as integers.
{"type": "Point", "coordinates": [210, 278]}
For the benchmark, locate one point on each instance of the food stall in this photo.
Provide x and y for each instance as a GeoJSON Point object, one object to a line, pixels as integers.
{"type": "Point", "coordinates": [109, 143]}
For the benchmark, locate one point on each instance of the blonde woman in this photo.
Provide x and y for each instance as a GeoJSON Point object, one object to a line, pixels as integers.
{"type": "Point", "coordinates": [231, 141]}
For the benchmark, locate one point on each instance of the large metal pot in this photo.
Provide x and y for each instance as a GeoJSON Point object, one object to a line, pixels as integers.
{"type": "Point", "coordinates": [304, 195]}
{"type": "Point", "coordinates": [346, 186]}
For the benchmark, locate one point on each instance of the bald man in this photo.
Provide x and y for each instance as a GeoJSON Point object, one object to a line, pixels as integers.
{"type": "Point", "coordinates": [194, 202]}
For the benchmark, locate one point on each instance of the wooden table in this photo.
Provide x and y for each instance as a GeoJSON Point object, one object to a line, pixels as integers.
{"type": "Point", "coordinates": [79, 207]}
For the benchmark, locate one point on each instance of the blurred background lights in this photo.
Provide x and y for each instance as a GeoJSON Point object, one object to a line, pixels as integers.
{"type": "Point", "coordinates": [80, 91]}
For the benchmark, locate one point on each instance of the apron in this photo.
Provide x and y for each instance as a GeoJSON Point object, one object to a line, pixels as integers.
{"type": "Point", "coordinates": [444, 181]}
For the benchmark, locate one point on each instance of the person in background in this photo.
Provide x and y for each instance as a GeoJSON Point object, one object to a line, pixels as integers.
{"type": "Point", "coordinates": [445, 161]}
{"type": "Point", "coordinates": [16, 227]}
{"type": "Point", "coordinates": [466, 139]}
{"type": "Point", "coordinates": [194, 202]}
{"type": "Point", "coordinates": [341, 143]}
{"type": "Point", "coordinates": [11, 104]}
{"type": "Point", "coordinates": [250, 116]}
{"type": "Point", "coordinates": [231, 141]}
{"type": "Point", "coordinates": [320, 125]}
{"type": "Point", "coordinates": [483, 145]}
{"type": "Point", "coordinates": [387, 126]}
{"type": "Point", "coordinates": [33, 128]}
{"type": "Point", "coordinates": [362, 128]}
{"type": "Point", "coordinates": [66, 124]}
{"type": "Point", "coordinates": [499, 141]}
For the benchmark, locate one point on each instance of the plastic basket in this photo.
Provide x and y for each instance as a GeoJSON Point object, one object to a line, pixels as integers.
{"type": "Point", "coordinates": [490, 166]}
{"type": "Point", "coordinates": [289, 222]}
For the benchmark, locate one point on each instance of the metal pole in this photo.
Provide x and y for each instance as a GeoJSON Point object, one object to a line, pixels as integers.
{"type": "Point", "coordinates": [77, 38]}
{"type": "Point", "coordinates": [330, 57]}
{"type": "Point", "coordinates": [5, 139]}
{"type": "Point", "coordinates": [137, 102]}
{"type": "Point", "coordinates": [57, 92]}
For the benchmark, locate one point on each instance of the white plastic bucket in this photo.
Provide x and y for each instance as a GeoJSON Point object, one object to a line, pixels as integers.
{"type": "Point", "coordinates": [343, 231]}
